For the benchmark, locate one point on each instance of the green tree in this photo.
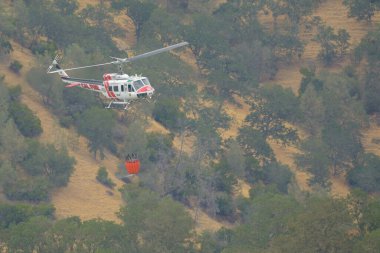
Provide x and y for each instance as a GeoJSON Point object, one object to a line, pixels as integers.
{"type": "Point", "coordinates": [99, 14]}
{"type": "Point", "coordinates": [267, 123]}
{"type": "Point", "coordinates": [254, 143]}
{"type": "Point", "coordinates": [370, 220]}
{"type": "Point", "coordinates": [103, 178]}
{"type": "Point", "coordinates": [13, 214]}
{"type": "Point", "coordinates": [26, 121]}
{"type": "Point", "coordinates": [344, 145]}
{"type": "Point", "coordinates": [55, 165]}
{"type": "Point", "coordinates": [326, 38]}
{"type": "Point", "coordinates": [35, 190]}
{"type": "Point", "coordinates": [5, 46]}
{"type": "Point", "coordinates": [277, 174]}
{"type": "Point", "coordinates": [366, 174]}
{"type": "Point", "coordinates": [47, 86]}
{"type": "Point", "coordinates": [370, 243]}
{"type": "Point", "coordinates": [225, 176]}
{"type": "Point", "coordinates": [322, 226]}
{"type": "Point", "coordinates": [154, 224]}
{"type": "Point", "coordinates": [314, 159]}
{"type": "Point", "coordinates": [12, 143]}
{"type": "Point", "coordinates": [342, 42]}
{"type": "Point", "coordinates": [281, 101]}
{"type": "Point", "coordinates": [67, 8]}
{"type": "Point", "coordinates": [312, 111]}
{"type": "Point", "coordinates": [96, 124]}
{"type": "Point", "coordinates": [140, 13]}
{"type": "Point", "coordinates": [100, 236]}
{"type": "Point", "coordinates": [167, 112]}
{"type": "Point", "coordinates": [309, 77]}
{"type": "Point", "coordinates": [371, 100]}
{"type": "Point", "coordinates": [333, 45]}
{"type": "Point", "coordinates": [173, 5]}
{"type": "Point", "coordinates": [361, 10]}
{"type": "Point", "coordinates": [15, 66]}
{"type": "Point", "coordinates": [27, 236]}
{"type": "Point", "coordinates": [264, 219]}
{"type": "Point", "coordinates": [235, 158]}
{"type": "Point", "coordinates": [166, 228]}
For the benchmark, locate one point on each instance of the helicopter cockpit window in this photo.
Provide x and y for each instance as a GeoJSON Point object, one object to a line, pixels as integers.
{"type": "Point", "coordinates": [130, 88]}
{"type": "Point", "coordinates": [145, 81]}
{"type": "Point", "coordinates": [138, 84]}
{"type": "Point", "coordinates": [116, 88]}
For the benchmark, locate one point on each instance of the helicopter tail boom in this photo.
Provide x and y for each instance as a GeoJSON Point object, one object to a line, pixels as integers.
{"type": "Point", "coordinates": [57, 68]}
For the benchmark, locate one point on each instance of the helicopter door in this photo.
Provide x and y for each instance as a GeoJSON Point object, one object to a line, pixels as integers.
{"type": "Point", "coordinates": [116, 90]}
{"type": "Point", "coordinates": [131, 90]}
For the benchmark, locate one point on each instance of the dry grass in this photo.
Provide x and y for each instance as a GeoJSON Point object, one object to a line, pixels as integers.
{"type": "Point", "coordinates": [237, 114]}
{"type": "Point", "coordinates": [369, 135]}
{"type": "Point", "coordinates": [83, 3]}
{"type": "Point", "coordinates": [205, 223]}
{"type": "Point", "coordinates": [242, 189]}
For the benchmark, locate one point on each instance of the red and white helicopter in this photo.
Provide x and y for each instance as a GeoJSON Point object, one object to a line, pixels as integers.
{"type": "Point", "coordinates": [119, 87]}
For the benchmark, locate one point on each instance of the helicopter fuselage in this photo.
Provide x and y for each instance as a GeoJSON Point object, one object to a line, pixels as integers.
{"type": "Point", "coordinates": [118, 87]}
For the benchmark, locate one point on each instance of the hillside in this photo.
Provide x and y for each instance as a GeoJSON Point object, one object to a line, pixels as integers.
{"type": "Point", "coordinates": [86, 198]}
{"type": "Point", "coordinates": [236, 153]}
{"type": "Point", "coordinates": [334, 14]}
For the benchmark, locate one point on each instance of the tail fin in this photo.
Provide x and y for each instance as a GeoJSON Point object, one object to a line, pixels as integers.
{"type": "Point", "coordinates": [57, 68]}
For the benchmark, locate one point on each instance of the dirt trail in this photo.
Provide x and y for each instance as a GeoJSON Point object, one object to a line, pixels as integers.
{"type": "Point", "coordinates": [84, 196]}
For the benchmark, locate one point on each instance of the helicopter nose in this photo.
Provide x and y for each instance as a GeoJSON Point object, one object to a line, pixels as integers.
{"type": "Point", "coordinates": [150, 93]}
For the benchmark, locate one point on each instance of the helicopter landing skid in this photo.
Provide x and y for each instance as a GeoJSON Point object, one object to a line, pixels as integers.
{"type": "Point", "coordinates": [117, 105]}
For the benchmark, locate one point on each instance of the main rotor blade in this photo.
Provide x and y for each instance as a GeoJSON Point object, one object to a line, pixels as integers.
{"type": "Point", "coordinates": [154, 52]}
{"type": "Point", "coordinates": [126, 60]}
{"type": "Point", "coordinates": [83, 67]}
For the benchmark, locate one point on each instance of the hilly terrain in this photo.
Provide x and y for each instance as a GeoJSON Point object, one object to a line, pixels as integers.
{"type": "Point", "coordinates": [334, 14]}
{"type": "Point", "coordinates": [263, 134]}
{"type": "Point", "coordinates": [88, 199]}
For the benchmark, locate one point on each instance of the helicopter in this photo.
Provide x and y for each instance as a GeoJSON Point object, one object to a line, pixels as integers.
{"type": "Point", "coordinates": [121, 88]}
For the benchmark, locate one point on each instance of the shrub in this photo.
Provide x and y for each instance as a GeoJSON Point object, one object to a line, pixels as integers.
{"type": "Point", "coordinates": [12, 214]}
{"type": "Point", "coordinates": [103, 178]}
{"type": "Point", "coordinates": [15, 66]}
{"type": "Point", "coordinates": [14, 93]}
{"type": "Point", "coordinates": [26, 121]}
{"type": "Point", "coordinates": [366, 175]}
{"type": "Point", "coordinates": [5, 46]}
{"type": "Point", "coordinates": [225, 205]}
{"type": "Point", "coordinates": [279, 175]}
{"type": "Point", "coordinates": [55, 165]}
{"type": "Point", "coordinates": [166, 111]}
{"type": "Point", "coordinates": [34, 190]}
